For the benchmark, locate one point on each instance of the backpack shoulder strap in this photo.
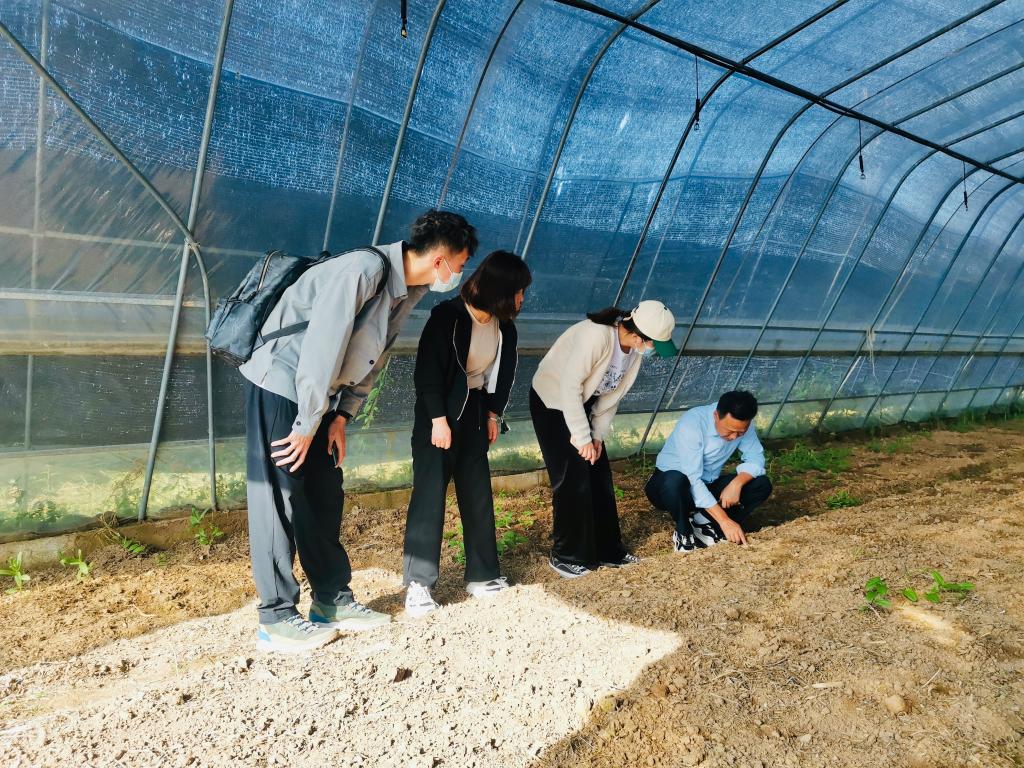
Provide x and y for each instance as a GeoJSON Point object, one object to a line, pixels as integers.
{"type": "Point", "coordinates": [294, 328]}
{"type": "Point", "coordinates": [386, 263]}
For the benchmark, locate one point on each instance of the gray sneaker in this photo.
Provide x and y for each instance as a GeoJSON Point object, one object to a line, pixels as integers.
{"type": "Point", "coordinates": [353, 616]}
{"type": "Point", "coordinates": [293, 635]}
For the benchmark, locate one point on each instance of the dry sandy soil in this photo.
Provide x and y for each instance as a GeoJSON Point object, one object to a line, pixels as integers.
{"type": "Point", "coordinates": [757, 656]}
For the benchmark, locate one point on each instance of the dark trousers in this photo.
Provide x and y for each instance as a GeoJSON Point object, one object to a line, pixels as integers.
{"type": "Point", "coordinates": [586, 521]}
{"type": "Point", "coordinates": [432, 469]}
{"type": "Point", "coordinates": [670, 492]}
{"type": "Point", "coordinates": [292, 511]}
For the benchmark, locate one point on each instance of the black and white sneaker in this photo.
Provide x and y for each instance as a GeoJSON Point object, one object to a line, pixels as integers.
{"type": "Point", "coordinates": [567, 570]}
{"type": "Point", "coordinates": [706, 535]}
{"type": "Point", "coordinates": [627, 559]}
{"type": "Point", "coordinates": [681, 543]}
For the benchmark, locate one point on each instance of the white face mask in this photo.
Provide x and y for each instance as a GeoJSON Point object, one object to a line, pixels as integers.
{"type": "Point", "coordinates": [647, 351]}
{"type": "Point", "coordinates": [443, 286]}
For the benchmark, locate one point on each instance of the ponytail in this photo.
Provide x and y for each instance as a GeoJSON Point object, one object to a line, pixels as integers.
{"type": "Point", "coordinates": [614, 316]}
{"type": "Point", "coordinates": [607, 316]}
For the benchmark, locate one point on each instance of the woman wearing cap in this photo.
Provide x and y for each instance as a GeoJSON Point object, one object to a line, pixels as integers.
{"type": "Point", "coordinates": [576, 391]}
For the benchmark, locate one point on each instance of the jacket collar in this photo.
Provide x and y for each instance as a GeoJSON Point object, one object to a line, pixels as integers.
{"type": "Point", "coordinates": [396, 281]}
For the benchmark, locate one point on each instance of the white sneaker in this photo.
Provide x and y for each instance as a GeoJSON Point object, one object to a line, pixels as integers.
{"type": "Point", "coordinates": [486, 589]}
{"type": "Point", "coordinates": [418, 600]}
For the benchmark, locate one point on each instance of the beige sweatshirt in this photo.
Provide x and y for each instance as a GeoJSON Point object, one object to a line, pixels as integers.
{"type": "Point", "coordinates": [572, 370]}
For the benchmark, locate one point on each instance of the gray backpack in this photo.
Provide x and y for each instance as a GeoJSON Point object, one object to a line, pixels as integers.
{"type": "Point", "coordinates": [234, 332]}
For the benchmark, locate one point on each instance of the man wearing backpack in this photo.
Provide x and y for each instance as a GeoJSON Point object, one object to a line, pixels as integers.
{"type": "Point", "coordinates": [303, 389]}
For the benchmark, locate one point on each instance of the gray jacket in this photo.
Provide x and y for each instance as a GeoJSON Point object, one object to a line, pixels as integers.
{"type": "Point", "coordinates": [335, 361]}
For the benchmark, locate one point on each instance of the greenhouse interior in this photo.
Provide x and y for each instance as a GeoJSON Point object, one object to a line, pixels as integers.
{"type": "Point", "coordinates": [827, 196]}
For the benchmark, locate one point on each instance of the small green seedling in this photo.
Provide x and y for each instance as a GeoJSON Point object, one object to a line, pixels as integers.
{"type": "Point", "coordinates": [503, 519]}
{"type": "Point", "coordinates": [619, 493]}
{"type": "Point", "coordinates": [934, 595]}
{"type": "Point", "coordinates": [79, 562]}
{"type": "Point", "coordinates": [509, 541]}
{"type": "Point", "coordinates": [131, 546]}
{"type": "Point", "coordinates": [456, 542]}
{"type": "Point", "coordinates": [15, 571]}
{"type": "Point", "coordinates": [841, 499]}
{"type": "Point", "coordinates": [206, 537]}
{"type": "Point", "coordinates": [875, 591]}
{"type": "Point", "coordinates": [911, 594]}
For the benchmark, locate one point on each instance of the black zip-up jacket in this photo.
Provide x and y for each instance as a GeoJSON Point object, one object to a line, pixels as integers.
{"type": "Point", "coordinates": [440, 378]}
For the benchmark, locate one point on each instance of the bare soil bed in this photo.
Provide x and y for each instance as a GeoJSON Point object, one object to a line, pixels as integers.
{"type": "Point", "coordinates": [756, 656]}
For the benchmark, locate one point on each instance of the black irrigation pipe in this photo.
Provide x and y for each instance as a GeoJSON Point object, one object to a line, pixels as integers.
{"type": "Point", "coordinates": [782, 85]}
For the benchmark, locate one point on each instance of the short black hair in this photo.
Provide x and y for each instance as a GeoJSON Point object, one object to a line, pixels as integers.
{"type": "Point", "coordinates": [494, 284]}
{"type": "Point", "coordinates": [739, 404]}
{"type": "Point", "coordinates": [443, 228]}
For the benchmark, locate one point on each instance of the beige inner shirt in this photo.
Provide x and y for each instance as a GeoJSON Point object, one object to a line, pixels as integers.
{"type": "Point", "coordinates": [483, 349]}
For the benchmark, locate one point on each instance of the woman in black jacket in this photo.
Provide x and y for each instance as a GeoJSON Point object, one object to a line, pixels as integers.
{"type": "Point", "coordinates": [465, 366]}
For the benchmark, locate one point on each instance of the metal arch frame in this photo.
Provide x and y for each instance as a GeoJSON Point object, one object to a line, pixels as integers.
{"type": "Point", "coordinates": [570, 119]}
{"type": "Point", "coordinates": [37, 203]}
{"type": "Point", "coordinates": [849, 275]}
{"type": "Point", "coordinates": [1008, 386]}
{"type": "Point", "coordinates": [190, 246]}
{"type": "Point", "coordinates": [988, 326]}
{"type": "Point", "coordinates": [938, 289]}
{"type": "Point", "coordinates": [812, 229]}
{"type": "Point", "coordinates": [867, 244]}
{"type": "Point", "coordinates": [666, 177]}
{"type": "Point", "coordinates": [797, 165]}
{"type": "Point", "coordinates": [999, 355]}
{"type": "Point", "coordinates": [188, 236]}
{"type": "Point", "coordinates": [406, 116]}
{"type": "Point", "coordinates": [882, 309]}
{"type": "Point", "coordinates": [782, 85]}
{"type": "Point", "coordinates": [356, 73]}
{"type": "Point", "coordinates": [903, 272]}
{"type": "Point", "coordinates": [1002, 351]}
{"type": "Point", "coordinates": [822, 327]}
{"type": "Point", "coordinates": [715, 86]}
{"type": "Point", "coordinates": [457, 149]}
{"type": "Point", "coordinates": [57, 88]}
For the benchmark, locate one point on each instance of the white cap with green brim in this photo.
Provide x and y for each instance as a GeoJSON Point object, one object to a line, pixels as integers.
{"type": "Point", "coordinates": [654, 320]}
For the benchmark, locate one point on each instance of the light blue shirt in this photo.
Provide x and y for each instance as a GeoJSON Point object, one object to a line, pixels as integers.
{"type": "Point", "coordinates": [697, 450]}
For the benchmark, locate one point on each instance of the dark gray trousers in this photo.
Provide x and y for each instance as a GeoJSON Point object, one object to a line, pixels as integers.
{"type": "Point", "coordinates": [292, 511]}
{"type": "Point", "coordinates": [432, 469]}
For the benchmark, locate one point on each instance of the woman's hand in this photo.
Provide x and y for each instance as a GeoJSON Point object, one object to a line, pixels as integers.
{"type": "Point", "coordinates": [294, 452]}
{"type": "Point", "coordinates": [441, 433]}
{"type": "Point", "coordinates": [492, 428]}
{"type": "Point", "coordinates": [590, 453]}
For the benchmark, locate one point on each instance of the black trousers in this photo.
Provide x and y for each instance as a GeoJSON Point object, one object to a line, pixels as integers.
{"type": "Point", "coordinates": [586, 521]}
{"type": "Point", "coordinates": [670, 492]}
{"type": "Point", "coordinates": [292, 511]}
{"type": "Point", "coordinates": [432, 469]}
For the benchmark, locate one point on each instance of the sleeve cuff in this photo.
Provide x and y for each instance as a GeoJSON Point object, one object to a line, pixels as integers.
{"type": "Point", "coordinates": [305, 427]}
{"type": "Point", "coordinates": [581, 440]}
{"type": "Point", "coordinates": [343, 412]}
{"type": "Point", "coordinates": [754, 470]}
{"type": "Point", "coordinates": [702, 497]}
